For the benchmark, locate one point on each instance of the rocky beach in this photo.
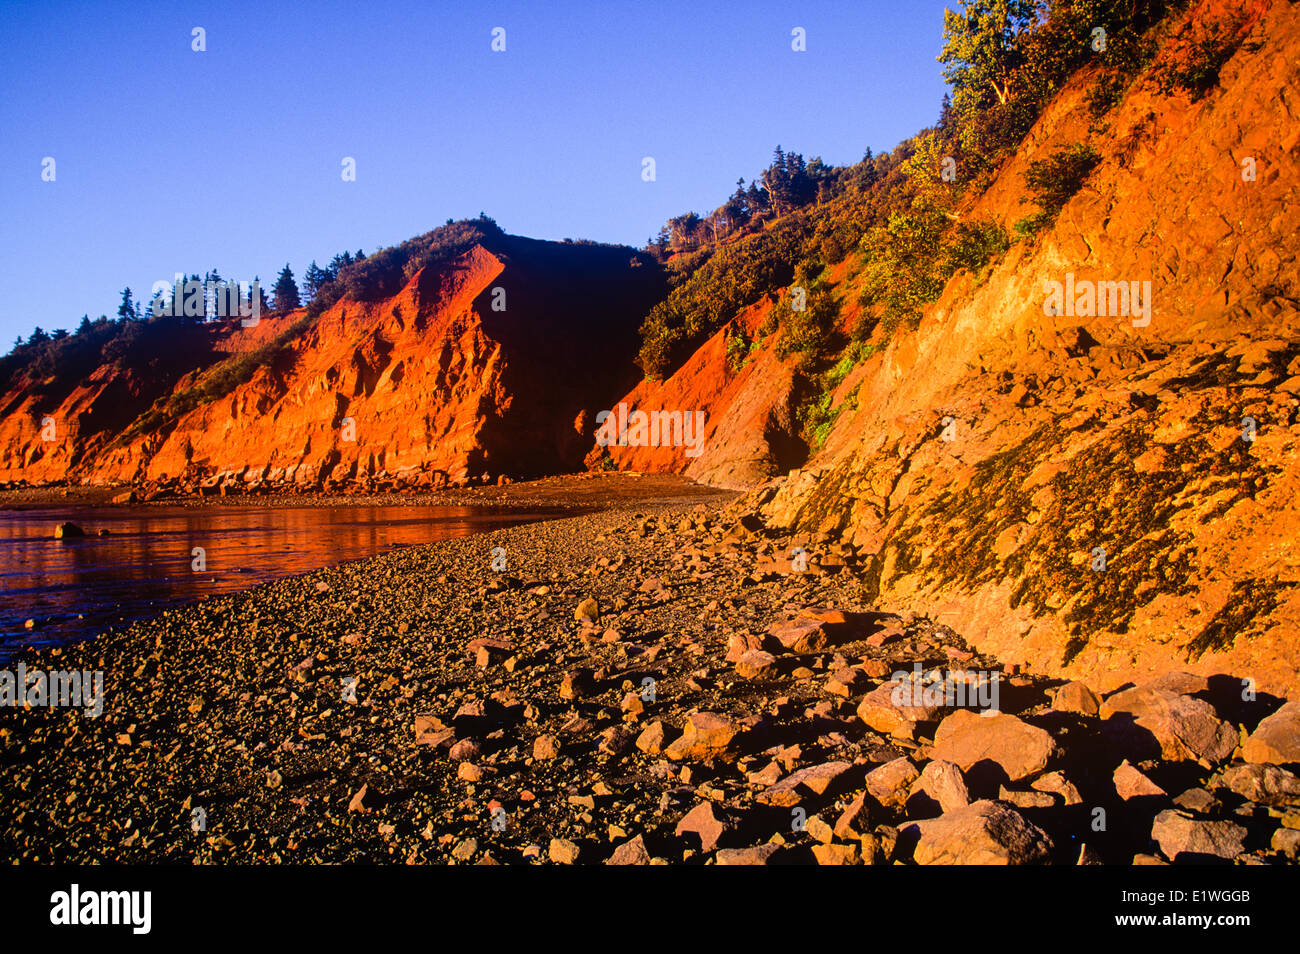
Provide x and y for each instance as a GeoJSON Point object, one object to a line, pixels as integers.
{"type": "Point", "coordinates": [929, 499]}
{"type": "Point", "coordinates": [664, 681]}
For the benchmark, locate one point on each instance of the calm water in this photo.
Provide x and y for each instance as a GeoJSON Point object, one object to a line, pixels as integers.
{"type": "Point", "coordinates": [76, 588]}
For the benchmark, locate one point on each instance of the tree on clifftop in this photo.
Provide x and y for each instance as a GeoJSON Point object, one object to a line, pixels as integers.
{"type": "Point", "coordinates": [286, 291]}
{"type": "Point", "coordinates": [126, 311]}
{"type": "Point", "coordinates": [787, 182]}
{"type": "Point", "coordinates": [314, 279]}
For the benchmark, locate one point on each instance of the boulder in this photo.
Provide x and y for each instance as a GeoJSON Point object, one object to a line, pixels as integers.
{"type": "Point", "coordinates": [651, 739]}
{"type": "Point", "coordinates": [588, 611]}
{"type": "Point", "coordinates": [701, 821]}
{"type": "Point", "coordinates": [882, 711]}
{"type": "Point", "coordinates": [757, 855]}
{"type": "Point", "coordinates": [1131, 783]}
{"type": "Point", "coordinates": [1058, 784]}
{"type": "Point", "coordinates": [889, 784]}
{"type": "Point", "coordinates": [816, 778]}
{"type": "Point", "coordinates": [1277, 738]}
{"type": "Point", "coordinates": [854, 820]}
{"type": "Point", "coordinates": [632, 852]}
{"type": "Point", "coordinates": [799, 635]}
{"type": "Point", "coordinates": [545, 748]}
{"type": "Point", "coordinates": [1078, 698]}
{"type": "Point", "coordinates": [1264, 784]}
{"type": "Point", "coordinates": [707, 735]}
{"type": "Point", "coordinates": [836, 854]}
{"type": "Point", "coordinates": [943, 782]}
{"type": "Point", "coordinates": [1147, 722]}
{"type": "Point", "coordinates": [756, 664]}
{"type": "Point", "coordinates": [1179, 835]}
{"type": "Point", "coordinates": [982, 833]}
{"type": "Point", "coordinates": [562, 851]}
{"type": "Point", "coordinates": [1018, 748]}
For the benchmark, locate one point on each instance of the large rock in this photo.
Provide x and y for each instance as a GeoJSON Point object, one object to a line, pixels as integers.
{"type": "Point", "coordinates": [757, 855]}
{"type": "Point", "coordinates": [1078, 698]}
{"type": "Point", "coordinates": [701, 821]}
{"type": "Point", "coordinates": [1265, 784]}
{"type": "Point", "coordinates": [707, 735]}
{"type": "Point", "coordinates": [836, 854]}
{"type": "Point", "coordinates": [1131, 783]}
{"type": "Point", "coordinates": [816, 778]}
{"type": "Point", "coordinates": [588, 611]}
{"type": "Point", "coordinates": [631, 852]}
{"type": "Point", "coordinates": [1277, 738]}
{"type": "Point", "coordinates": [563, 852]}
{"type": "Point", "coordinates": [756, 664]}
{"type": "Point", "coordinates": [1181, 835]}
{"type": "Point", "coordinates": [803, 635]}
{"type": "Point", "coordinates": [943, 782]}
{"type": "Point", "coordinates": [982, 833]}
{"type": "Point", "coordinates": [967, 739]}
{"type": "Point", "coordinates": [1149, 721]}
{"type": "Point", "coordinates": [881, 709]}
{"type": "Point", "coordinates": [889, 784]}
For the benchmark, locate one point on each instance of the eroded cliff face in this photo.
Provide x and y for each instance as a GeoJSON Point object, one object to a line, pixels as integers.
{"type": "Point", "coordinates": [1091, 495]}
{"type": "Point", "coordinates": [491, 364]}
{"type": "Point", "coordinates": [738, 424]}
{"type": "Point", "coordinates": [1096, 495]}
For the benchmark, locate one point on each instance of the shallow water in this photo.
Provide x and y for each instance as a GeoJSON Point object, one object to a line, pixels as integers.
{"type": "Point", "coordinates": [76, 588]}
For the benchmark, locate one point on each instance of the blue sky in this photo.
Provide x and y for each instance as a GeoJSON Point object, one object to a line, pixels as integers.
{"type": "Point", "coordinates": [172, 160]}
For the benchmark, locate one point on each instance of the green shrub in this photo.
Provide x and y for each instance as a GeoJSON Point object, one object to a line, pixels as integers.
{"type": "Point", "coordinates": [1031, 225]}
{"type": "Point", "coordinates": [1106, 94]}
{"type": "Point", "coordinates": [903, 265]}
{"type": "Point", "coordinates": [1195, 69]}
{"type": "Point", "coordinates": [973, 245]}
{"type": "Point", "coordinates": [817, 417]}
{"type": "Point", "coordinates": [738, 351]}
{"type": "Point", "coordinates": [734, 277]}
{"type": "Point", "coordinates": [1053, 182]}
{"type": "Point", "coordinates": [214, 382]}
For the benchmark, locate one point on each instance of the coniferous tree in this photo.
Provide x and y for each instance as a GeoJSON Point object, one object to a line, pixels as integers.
{"type": "Point", "coordinates": [286, 291]}
{"type": "Point", "coordinates": [787, 182]}
{"type": "Point", "coordinates": [339, 262]}
{"type": "Point", "coordinates": [126, 311]}
{"type": "Point", "coordinates": [313, 280]}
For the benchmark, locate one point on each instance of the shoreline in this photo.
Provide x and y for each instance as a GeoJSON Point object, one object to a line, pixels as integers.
{"type": "Point", "coordinates": [577, 491]}
{"type": "Point", "coordinates": [419, 706]}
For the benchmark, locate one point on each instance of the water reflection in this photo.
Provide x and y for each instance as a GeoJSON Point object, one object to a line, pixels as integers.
{"type": "Point", "coordinates": [77, 587]}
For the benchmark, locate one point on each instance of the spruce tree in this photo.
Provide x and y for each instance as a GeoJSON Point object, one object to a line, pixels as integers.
{"type": "Point", "coordinates": [126, 310]}
{"type": "Point", "coordinates": [314, 279]}
{"type": "Point", "coordinates": [286, 291]}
